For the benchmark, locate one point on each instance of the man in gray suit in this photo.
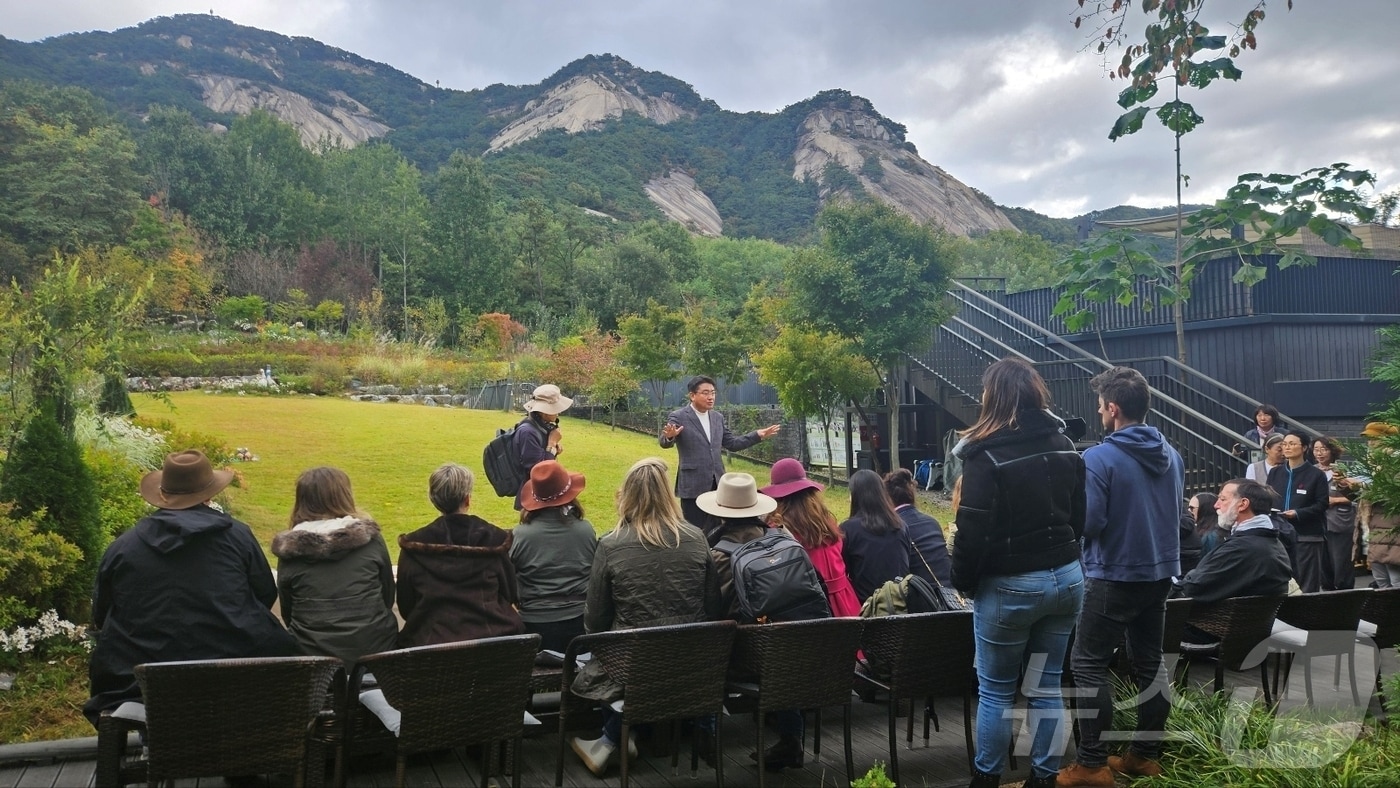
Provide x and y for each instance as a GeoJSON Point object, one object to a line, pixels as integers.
{"type": "Point", "coordinates": [699, 433]}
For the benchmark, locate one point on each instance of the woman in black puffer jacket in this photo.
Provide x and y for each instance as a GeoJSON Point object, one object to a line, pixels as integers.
{"type": "Point", "coordinates": [1017, 555]}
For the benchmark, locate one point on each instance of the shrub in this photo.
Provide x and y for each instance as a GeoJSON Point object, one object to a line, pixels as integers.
{"type": "Point", "coordinates": [46, 472]}
{"type": "Point", "coordinates": [177, 439]}
{"type": "Point", "coordinates": [33, 563]}
{"type": "Point", "coordinates": [118, 482]}
{"type": "Point", "coordinates": [244, 309]}
{"type": "Point", "coordinates": [326, 376]}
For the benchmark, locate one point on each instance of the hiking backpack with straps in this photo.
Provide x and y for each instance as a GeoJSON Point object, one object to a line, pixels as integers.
{"type": "Point", "coordinates": [774, 579]}
{"type": "Point", "coordinates": [501, 463]}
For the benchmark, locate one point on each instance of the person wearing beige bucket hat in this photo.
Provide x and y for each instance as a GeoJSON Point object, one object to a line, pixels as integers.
{"type": "Point", "coordinates": [736, 507]}
{"type": "Point", "coordinates": [537, 437]}
{"type": "Point", "coordinates": [208, 571]}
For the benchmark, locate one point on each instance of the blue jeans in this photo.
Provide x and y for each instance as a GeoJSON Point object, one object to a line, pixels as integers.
{"type": "Point", "coordinates": [1115, 611]}
{"type": "Point", "coordinates": [1022, 623]}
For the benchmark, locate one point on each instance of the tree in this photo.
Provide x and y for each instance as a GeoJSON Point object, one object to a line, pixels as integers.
{"type": "Point", "coordinates": [589, 363]}
{"type": "Point", "coordinates": [878, 280]}
{"type": "Point", "coordinates": [651, 347]}
{"type": "Point", "coordinates": [1025, 260]}
{"type": "Point", "coordinates": [469, 268]}
{"type": "Point", "coordinates": [45, 478]}
{"type": "Point", "coordinates": [814, 373]}
{"type": "Point", "coordinates": [714, 345]}
{"type": "Point", "coordinates": [1273, 207]}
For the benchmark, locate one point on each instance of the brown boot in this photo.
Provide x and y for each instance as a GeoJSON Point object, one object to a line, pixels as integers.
{"type": "Point", "coordinates": [1135, 765]}
{"type": "Point", "coordinates": [1077, 775]}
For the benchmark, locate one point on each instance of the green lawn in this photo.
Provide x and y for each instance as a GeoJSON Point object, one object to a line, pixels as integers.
{"type": "Point", "coordinates": [390, 449]}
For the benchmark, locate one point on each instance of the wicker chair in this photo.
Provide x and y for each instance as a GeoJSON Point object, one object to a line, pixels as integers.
{"type": "Point", "coordinates": [923, 656]}
{"type": "Point", "coordinates": [667, 673]}
{"type": "Point", "coordinates": [220, 717]}
{"type": "Point", "coordinates": [1318, 624]}
{"type": "Point", "coordinates": [1241, 626]}
{"type": "Point", "coordinates": [1380, 622]}
{"type": "Point", "coordinates": [798, 665]}
{"type": "Point", "coordinates": [450, 695]}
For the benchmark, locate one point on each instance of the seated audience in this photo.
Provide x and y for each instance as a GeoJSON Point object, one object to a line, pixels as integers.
{"type": "Point", "coordinates": [734, 508]}
{"type": "Point", "coordinates": [876, 544]}
{"type": "Point", "coordinates": [655, 569]}
{"type": "Point", "coordinates": [1190, 542]}
{"type": "Point", "coordinates": [1252, 562]}
{"type": "Point", "coordinates": [333, 572]}
{"type": "Point", "coordinates": [456, 581]}
{"type": "Point", "coordinates": [187, 582]}
{"type": "Point", "coordinates": [928, 557]}
{"type": "Point", "coordinates": [1207, 523]}
{"type": "Point", "coordinates": [553, 554]}
{"type": "Point", "coordinates": [802, 511]}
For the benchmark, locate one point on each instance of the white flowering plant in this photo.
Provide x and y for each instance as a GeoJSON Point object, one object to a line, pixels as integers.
{"type": "Point", "coordinates": [49, 637]}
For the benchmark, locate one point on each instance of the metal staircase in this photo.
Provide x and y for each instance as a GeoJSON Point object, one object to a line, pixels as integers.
{"type": "Point", "coordinates": [1200, 416]}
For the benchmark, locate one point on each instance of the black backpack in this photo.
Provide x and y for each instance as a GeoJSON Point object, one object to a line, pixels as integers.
{"type": "Point", "coordinates": [774, 579]}
{"type": "Point", "coordinates": [502, 463]}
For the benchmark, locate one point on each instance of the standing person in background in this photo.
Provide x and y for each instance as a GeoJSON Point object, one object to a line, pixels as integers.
{"type": "Point", "coordinates": [876, 544]}
{"type": "Point", "coordinates": [1302, 495]}
{"type": "Point", "coordinates": [699, 433]}
{"type": "Point", "coordinates": [1339, 519]}
{"type": "Point", "coordinates": [456, 581]}
{"type": "Point", "coordinates": [537, 436]}
{"type": "Point", "coordinates": [928, 557]}
{"type": "Point", "coordinates": [552, 551]}
{"type": "Point", "coordinates": [1383, 548]}
{"type": "Point", "coordinates": [803, 513]}
{"type": "Point", "coordinates": [1019, 504]}
{"type": "Point", "coordinates": [1132, 550]}
{"type": "Point", "coordinates": [334, 576]}
{"type": "Point", "coordinates": [1258, 471]}
{"type": "Point", "coordinates": [1266, 423]}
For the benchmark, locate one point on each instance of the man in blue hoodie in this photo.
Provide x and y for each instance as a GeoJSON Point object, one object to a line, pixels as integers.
{"type": "Point", "coordinates": [1134, 487]}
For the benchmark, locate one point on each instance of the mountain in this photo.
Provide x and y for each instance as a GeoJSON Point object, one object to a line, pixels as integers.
{"type": "Point", "coordinates": [599, 133]}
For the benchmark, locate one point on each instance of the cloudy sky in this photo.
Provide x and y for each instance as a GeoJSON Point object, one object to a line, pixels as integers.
{"type": "Point", "coordinates": [1007, 95]}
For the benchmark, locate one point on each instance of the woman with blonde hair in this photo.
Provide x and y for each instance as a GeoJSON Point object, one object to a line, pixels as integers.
{"type": "Point", "coordinates": [654, 569]}
{"type": "Point", "coordinates": [1020, 516]}
{"type": "Point", "coordinates": [333, 573]}
{"type": "Point", "coordinates": [803, 512]}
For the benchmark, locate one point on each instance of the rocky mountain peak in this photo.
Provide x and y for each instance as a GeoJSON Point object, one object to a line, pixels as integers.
{"type": "Point", "coordinates": [585, 102]}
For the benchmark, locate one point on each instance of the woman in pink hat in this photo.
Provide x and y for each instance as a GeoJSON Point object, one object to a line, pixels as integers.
{"type": "Point", "coordinates": [802, 511]}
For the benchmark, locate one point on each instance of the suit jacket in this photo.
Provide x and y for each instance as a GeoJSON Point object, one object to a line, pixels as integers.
{"type": "Point", "coordinates": [700, 462]}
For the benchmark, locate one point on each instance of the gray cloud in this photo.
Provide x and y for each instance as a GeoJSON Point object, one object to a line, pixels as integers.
{"type": "Point", "coordinates": [1005, 95]}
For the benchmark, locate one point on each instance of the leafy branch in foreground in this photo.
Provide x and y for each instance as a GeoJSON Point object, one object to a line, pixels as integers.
{"type": "Point", "coordinates": [1110, 266]}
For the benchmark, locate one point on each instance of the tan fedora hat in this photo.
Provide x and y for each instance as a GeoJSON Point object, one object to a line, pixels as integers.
{"type": "Point", "coordinates": [186, 479]}
{"type": "Point", "coordinates": [737, 496]}
{"type": "Point", "coordinates": [548, 399]}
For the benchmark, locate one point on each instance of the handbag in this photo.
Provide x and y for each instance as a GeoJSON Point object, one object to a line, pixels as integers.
{"type": "Point", "coordinates": [944, 599]}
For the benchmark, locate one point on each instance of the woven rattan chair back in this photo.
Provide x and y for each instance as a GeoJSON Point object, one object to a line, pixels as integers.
{"type": "Point", "coordinates": [798, 664]}
{"type": "Point", "coordinates": [1326, 610]}
{"type": "Point", "coordinates": [1178, 613]}
{"type": "Point", "coordinates": [1242, 623]}
{"type": "Point", "coordinates": [924, 654]}
{"type": "Point", "coordinates": [1382, 608]}
{"type": "Point", "coordinates": [210, 718]}
{"type": "Point", "coordinates": [669, 672]}
{"type": "Point", "coordinates": [457, 694]}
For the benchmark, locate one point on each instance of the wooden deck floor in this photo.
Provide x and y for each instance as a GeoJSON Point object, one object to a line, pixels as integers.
{"type": "Point", "coordinates": [942, 763]}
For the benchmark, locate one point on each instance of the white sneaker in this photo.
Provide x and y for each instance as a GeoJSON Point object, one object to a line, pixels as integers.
{"type": "Point", "coordinates": [595, 754]}
{"type": "Point", "coordinates": [631, 744]}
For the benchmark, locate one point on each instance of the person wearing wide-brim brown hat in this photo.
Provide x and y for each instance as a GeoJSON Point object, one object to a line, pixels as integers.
{"type": "Point", "coordinates": [553, 555]}
{"type": "Point", "coordinates": [537, 437]}
{"type": "Point", "coordinates": [206, 569]}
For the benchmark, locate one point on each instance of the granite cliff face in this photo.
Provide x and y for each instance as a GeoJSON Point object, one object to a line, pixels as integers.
{"type": "Point", "coordinates": [860, 143]}
{"type": "Point", "coordinates": [681, 200]}
{"type": "Point", "coordinates": [348, 120]}
{"type": "Point", "coordinates": [585, 103]}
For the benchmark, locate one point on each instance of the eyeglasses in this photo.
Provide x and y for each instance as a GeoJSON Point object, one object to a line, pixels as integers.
{"type": "Point", "coordinates": [1193, 508]}
{"type": "Point", "coordinates": [705, 393]}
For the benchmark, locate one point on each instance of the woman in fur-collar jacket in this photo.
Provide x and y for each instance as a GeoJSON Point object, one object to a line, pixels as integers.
{"type": "Point", "coordinates": [333, 573]}
{"type": "Point", "coordinates": [456, 580]}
